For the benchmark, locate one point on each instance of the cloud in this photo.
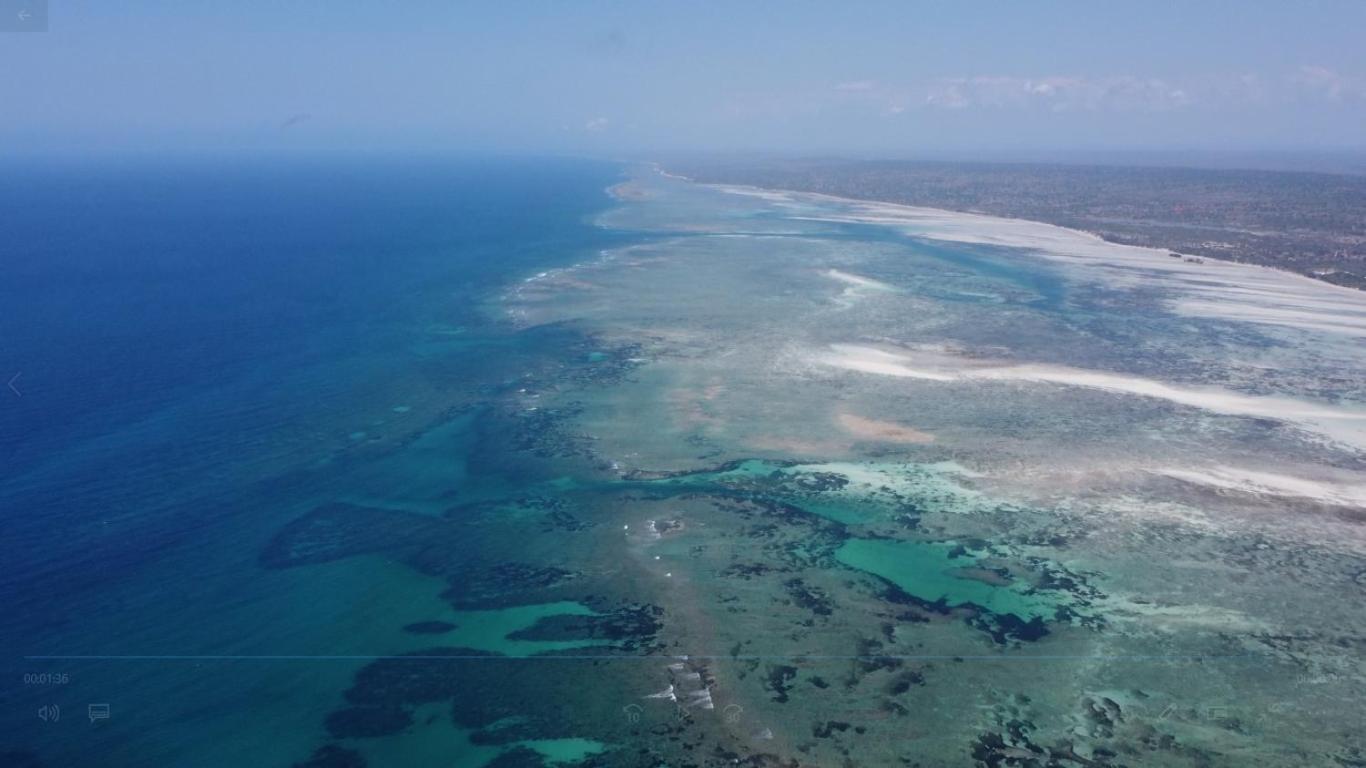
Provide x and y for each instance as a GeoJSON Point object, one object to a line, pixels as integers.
{"type": "Point", "coordinates": [1195, 98]}
{"type": "Point", "coordinates": [596, 125]}
{"type": "Point", "coordinates": [1132, 93]}
{"type": "Point", "coordinates": [1056, 93]}
{"type": "Point", "coordinates": [1317, 80]}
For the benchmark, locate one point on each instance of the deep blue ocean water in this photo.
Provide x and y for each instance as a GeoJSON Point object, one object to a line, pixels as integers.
{"type": "Point", "coordinates": [191, 338]}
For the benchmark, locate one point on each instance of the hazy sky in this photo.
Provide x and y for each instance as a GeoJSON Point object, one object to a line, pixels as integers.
{"type": "Point", "coordinates": [602, 77]}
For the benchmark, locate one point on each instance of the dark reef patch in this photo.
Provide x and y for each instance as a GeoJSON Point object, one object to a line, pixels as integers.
{"type": "Point", "coordinates": [429, 627]}
{"type": "Point", "coordinates": [719, 469]}
{"type": "Point", "coordinates": [904, 681]}
{"type": "Point", "coordinates": [1002, 628]}
{"type": "Point", "coordinates": [338, 530]}
{"type": "Point", "coordinates": [367, 722]}
{"type": "Point", "coordinates": [813, 599]}
{"type": "Point", "coordinates": [992, 751]}
{"type": "Point", "coordinates": [545, 432]}
{"type": "Point", "coordinates": [329, 756]}
{"type": "Point", "coordinates": [504, 701]}
{"type": "Point", "coordinates": [829, 728]}
{"type": "Point", "coordinates": [746, 571]}
{"type": "Point", "coordinates": [500, 584]}
{"type": "Point", "coordinates": [778, 681]}
{"type": "Point", "coordinates": [557, 513]}
{"type": "Point", "coordinates": [517, 757]}
{"type": "Point", "coordinates": [452, 550]}
{"type": "Point", "coordinates": [631, 627]}
{"type": "Point", "coordinates": [1007, 627]}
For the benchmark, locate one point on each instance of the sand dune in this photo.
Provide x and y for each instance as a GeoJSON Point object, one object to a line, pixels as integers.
{"type": "Point", "coordinates": [858, 281]}
{"type": "Point", "coordinates": [1344, 492]}
{"type": "Point", "coordinates": [886, 431]}
{"type": "Point", "coordinates": [874, 360]}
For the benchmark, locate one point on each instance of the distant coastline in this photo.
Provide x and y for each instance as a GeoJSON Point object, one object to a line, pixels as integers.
{"type": "Point", "coordinates": [1314, 227]}
{"type": "Point", "coordinates": [1235, 291]}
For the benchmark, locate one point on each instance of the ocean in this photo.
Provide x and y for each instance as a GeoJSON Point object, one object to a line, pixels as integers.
{"type": "Point", "coordinates": [199, 345]}
{"type": "Point", "coordinates": [430, 461]}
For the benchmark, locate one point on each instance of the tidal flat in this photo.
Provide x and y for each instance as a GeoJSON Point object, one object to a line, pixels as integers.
{"type": "Point", "coordinates": [920, 488]}
{"type": "Point", "coordinates": [841, 484]}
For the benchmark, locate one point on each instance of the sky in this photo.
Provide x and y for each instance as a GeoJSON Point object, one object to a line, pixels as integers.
{"type": "Point", "coordinates": [865, 78]}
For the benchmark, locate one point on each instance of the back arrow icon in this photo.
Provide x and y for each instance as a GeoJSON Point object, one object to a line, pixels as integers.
{"type": "Point", "coordinates": [24, 15]}
{"type": "Point", "coordinates": [17, 393]}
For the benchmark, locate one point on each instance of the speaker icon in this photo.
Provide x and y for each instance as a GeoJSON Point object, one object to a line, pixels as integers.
{"type": "Point", "coordinates": [49, 713]}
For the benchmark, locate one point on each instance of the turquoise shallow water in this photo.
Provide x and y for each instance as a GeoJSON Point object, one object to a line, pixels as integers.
{"type": "Point", "coordinates": [934, 573]}
{"type": "Point", "coordinates": [491, 630]}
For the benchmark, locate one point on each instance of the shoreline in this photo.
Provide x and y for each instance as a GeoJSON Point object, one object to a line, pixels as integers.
{"type": "Point", "coordinates": [949, 212]}
{"type": "Point", "coordinates": [1201, 287]}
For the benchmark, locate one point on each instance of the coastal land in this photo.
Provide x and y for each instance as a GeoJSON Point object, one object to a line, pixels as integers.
{"type": "Point", "coordinates": [1309, 223]}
